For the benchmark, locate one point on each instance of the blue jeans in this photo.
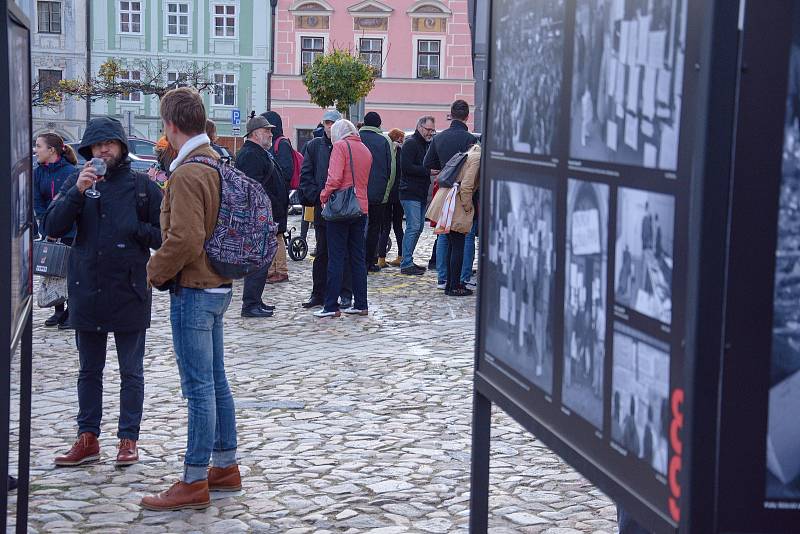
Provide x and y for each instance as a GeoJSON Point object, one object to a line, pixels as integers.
{"type": "Point", "coordinates": [442, 257]}
{"type": "Point", "coordinates": [347, 238]}
{"type": "Point", "coordinates": [469, 252]}
{"type": "Point", "coordinates": [197, 334]}
{"type": "Point", "coordinates": [415, 222]}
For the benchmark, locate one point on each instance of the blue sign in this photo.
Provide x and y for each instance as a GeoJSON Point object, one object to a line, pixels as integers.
{"type": "Point", "coordinates": [236, 117]}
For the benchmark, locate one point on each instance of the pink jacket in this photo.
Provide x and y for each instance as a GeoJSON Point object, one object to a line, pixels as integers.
{"type": "Point", "coordinates": [339, 176]}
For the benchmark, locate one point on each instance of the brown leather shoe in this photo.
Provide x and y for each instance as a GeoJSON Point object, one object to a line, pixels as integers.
{"type": "Point", "coordinates": [277, 278]}
{"type": "Point", "coordinates": [224, 478]}
{"type": "Point", "coordinates": [127, 453]}
{"type": "Point", "coordinates": [181, 496]}
{"type": "Point", "coordinates": [85, 449]}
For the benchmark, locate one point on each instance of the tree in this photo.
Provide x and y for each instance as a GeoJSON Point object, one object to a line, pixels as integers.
{"type": "Point", "coordinates": [108, 83]}
{"type": "Point", "coordinates": [339, 79]}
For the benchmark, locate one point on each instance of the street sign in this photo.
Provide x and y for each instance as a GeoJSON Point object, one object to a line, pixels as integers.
{"type": "Point", "coordinates": [235, 130]}
{"type": "Point", "coordinates": [236, 117]}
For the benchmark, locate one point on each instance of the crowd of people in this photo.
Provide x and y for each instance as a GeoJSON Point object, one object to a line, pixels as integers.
{"type": "Point", "coordinates": [142, 231]}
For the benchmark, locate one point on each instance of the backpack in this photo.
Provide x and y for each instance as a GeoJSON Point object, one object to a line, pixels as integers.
{"type": "Point", "coordinates": [244, 238]}
{"type": "Point", "coordinates": [297, 160]}
{"type": "Point", "coordinates": [451, 169]}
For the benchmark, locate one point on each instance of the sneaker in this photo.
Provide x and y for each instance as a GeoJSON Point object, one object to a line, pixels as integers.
{"type": "Point", "coordinates": [459, 292]}
{"type": "Point", "coordinates": [322, 313]}
{"type": "Point", "coordinates": [345, 303]}
{"type": "Point", "coordinates": [414, 270]}
{"type": "Point", "coordinates": [355, 311]}
{"type": "Point", "coordinates": [471, 284]}
{"type": "Point", "coordinates": [441, 285]}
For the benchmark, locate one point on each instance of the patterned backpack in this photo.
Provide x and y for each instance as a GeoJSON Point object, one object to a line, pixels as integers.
{"type": "Point", "coordinates": [244, 239]}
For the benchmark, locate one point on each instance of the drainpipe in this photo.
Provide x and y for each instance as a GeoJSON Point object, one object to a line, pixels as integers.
{"type": "Point", "coordinates": [273, 5]}
{"type": "Point", "coordinates": [88, 56]}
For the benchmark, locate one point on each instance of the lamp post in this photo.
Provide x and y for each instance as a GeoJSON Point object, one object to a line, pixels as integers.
{"type": "Point", "coordinates": [274, 6]}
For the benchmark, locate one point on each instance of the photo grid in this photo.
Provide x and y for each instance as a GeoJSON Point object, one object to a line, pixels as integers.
{"type": "Point", "coordinates": [783, 435]}
{"type": "Point", "coordinates": [640, 406]}
{"type": "Point", "coordinates": [627, 82]}
{"type": "Point", "coordinates": [585, 305]}
{"type": "Point", "coordinates": [644, 252]}
{"type": "Point", "coordinates": [520, 282]}
{"type": "Point", "coordinates": [526, 95]}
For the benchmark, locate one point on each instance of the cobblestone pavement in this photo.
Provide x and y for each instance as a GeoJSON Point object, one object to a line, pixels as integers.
{"type": "Point", "coordinates": [345, 425]}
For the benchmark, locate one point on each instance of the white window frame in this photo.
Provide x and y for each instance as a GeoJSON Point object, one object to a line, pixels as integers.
{"type": "Point", "coordinates": [168, 14]}
{"type": "Point", "coordinates": [415, 52]}
{"type": "Point", "coordinates": [50, 25]}
{"type": "Point", "coordinates": [130, 12]}
{"type": "Point", "coordinates": [384, 51]}
{"type": "Point", "coordinates": [214, 16]}
{"type": "Point", "coordinates": [299, 47]}
{"type": "Point", "coordinates": [177, 79]}
{"type": "Point", "coordinates": [235, 89]}
{"type": "Point", "coordinates": [128, 76]}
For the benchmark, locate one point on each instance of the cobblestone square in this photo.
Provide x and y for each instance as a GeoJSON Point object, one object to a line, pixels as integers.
{"type": "Point", "coordinates": [345, 425]}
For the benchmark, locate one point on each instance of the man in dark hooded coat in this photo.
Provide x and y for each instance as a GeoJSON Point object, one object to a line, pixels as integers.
{"type": "Point", "coordinates": [281, 152]}
{"type": "Point", "coordinates": [108, 281]}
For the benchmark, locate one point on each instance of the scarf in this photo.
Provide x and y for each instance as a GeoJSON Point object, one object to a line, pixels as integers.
{"type": "Point", "coordinates": [392, 156]}
{"type": "Point", "coordinates": [188, 147]}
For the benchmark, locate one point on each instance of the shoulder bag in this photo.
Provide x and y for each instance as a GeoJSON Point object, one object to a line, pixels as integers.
{"type": "Point", "coordinates": [343, 204]}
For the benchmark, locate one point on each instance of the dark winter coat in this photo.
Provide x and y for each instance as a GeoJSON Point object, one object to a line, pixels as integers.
{"type": "Point", "coordinates": [283, 155]}
{"type": "Point", "coordinates": [416, 179]}
{"type": "Point", "coordinates": [258, 164]}
{"type": "Point", "coordinates": [314, 174]}
{"type": "Point", "coordinates": [394, 194]}
{"type": "Point", "coordinates": [447, 144]}
{"type": "Point", "coordinates": [107, 278]}
{"type": "Point", "coordinates": [381, 170]}
{"type": "Point", "coordinates": [47, 181]}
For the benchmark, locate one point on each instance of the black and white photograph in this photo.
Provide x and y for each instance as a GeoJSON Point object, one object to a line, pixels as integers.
{"type": "Point", "coordinates": [520, 281]}
{"type": "Point", "coordinates": [585, 305]}
{"type": "Point", "coordinates": [526, 95]}
{"type": "Point", "coordinates": [783, 437]}
{"type": "Point", "coordinates": [640, 402]}
{"type": "Point", "coordinates": [644, 252]}
{"type": "Point", "coordinates": [20, 165]}
{"type": "Point", "coordinates": [627, 82]}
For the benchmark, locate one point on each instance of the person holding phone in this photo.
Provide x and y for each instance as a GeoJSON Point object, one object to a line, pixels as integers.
{"type": "Point", "coordinates": [116, 228]}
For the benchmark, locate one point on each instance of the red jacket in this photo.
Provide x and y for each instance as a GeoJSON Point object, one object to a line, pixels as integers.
{"type": "Point", "coordinates": [339, 175]}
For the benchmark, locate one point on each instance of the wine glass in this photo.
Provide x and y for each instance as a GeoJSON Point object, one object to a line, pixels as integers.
{"type": "Point", "coordinates": [100, 169]}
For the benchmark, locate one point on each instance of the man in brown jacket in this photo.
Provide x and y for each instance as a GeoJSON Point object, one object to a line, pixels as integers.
{"type": "Point", "coordinates": [198, 300]}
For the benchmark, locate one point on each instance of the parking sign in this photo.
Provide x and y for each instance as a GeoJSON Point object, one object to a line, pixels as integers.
{"type": "Point", "coordinates": [236, 117]}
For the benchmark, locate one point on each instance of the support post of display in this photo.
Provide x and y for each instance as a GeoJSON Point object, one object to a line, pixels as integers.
{"type": "Point", "coordinates": [26, 376]}
{"type": "Point", "coordinates": [481, 445]}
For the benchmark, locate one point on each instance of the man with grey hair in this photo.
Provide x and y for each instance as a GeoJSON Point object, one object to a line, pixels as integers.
{"type": "Point", "coordinates": [313, 175]}
{"type": "Point", "coordinates": [414, 184]}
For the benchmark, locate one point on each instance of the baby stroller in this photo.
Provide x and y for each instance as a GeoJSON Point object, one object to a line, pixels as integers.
{"type": "Point", "coordinates": [296, 247]}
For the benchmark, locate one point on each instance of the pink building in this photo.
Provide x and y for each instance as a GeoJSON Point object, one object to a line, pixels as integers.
{"type": "Point", "coordinates": [421, 46]}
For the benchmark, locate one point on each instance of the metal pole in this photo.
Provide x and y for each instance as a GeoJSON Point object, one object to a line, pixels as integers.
{"type": "Point", "coordinates": [274, 5]}
{"type": "Point", "coordinates": [479, 484]}
{"type": "Point", "coordinates": [88, 56]}
{"type": "Point", "coordinates": [23, 462]}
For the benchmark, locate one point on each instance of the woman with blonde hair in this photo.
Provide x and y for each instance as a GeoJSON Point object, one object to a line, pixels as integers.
{"type": "Point", "coordinates": [349, 167]}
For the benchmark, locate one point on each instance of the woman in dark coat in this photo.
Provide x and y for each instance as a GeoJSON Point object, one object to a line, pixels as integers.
{"type": "Point", "coordinates": [57, 162]}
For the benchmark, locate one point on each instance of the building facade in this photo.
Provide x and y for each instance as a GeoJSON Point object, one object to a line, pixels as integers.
{"type": "Point", "coordinates": [229, 37]}
{"type": "Point", "coordinates": [422, 49]}
{"type": "Point", "coordinates": [58, 52]}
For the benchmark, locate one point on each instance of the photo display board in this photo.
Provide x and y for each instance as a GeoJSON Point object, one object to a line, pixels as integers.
{"type": "Point", "coordinates": [585, 228]}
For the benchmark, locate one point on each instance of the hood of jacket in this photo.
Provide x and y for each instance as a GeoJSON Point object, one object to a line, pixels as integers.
{"type": "Point", "coordinates": [275, 120]}
{"type": "Point", "coordinates": [103, 129]}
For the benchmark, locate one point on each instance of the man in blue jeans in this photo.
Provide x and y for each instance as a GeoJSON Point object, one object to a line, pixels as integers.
{"type": "Point", "coordinates": [199, 298]}
{"type": "Point", "coordinates": [414, 184]}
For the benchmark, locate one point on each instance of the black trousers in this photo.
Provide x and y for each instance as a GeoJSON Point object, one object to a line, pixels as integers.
{"type": "Point", "coordinates": [455, 251]}
{"type": "Point", "coordinates": [254, 284]}
{"type": "Point", "coordinates": [374, 232]}
{"type": "Point", "coordinates": [92, 354]}
{"type": "Point", "coordinates": [392, 219]}
{"type": "Point", "coordinates": [319, 269]}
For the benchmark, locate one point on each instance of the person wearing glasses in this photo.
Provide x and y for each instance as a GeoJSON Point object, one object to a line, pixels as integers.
{"type": "Point", "coordinates": [415, 181]}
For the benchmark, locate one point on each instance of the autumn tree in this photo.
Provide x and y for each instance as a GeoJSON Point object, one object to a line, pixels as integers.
{"type": "Point", "coordinates": [339, 79]}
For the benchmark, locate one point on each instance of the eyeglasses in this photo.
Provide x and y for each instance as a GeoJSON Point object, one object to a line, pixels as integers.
{"type": "Point", "coordinates": [429, 130]}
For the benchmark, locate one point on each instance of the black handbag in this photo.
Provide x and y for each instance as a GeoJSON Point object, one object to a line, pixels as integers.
{"type": "Point", "coordinates": [343, 204]}
{"type": "Point", "coordinates": [50, 258]}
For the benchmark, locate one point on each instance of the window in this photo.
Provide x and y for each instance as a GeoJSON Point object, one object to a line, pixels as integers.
{"type": "Point", "coordinates": [371, 53]}
{"type": "Point", "coordinates": [176, 79]}
{"type": "Point", "coordinates": [178, 18]}
{"type": "Point", "coordinates": [225, 89]}
{"type": "Point", "coordinates": [49, 17]}
{"type": "Point", "coordinates": [48, 79]}
{"type": "Point", "coordinates": [428, 59]}
{"type": "Point", "coordinates": [310, 49]}
{"type": "Point", "coordinates": [224, 21]}
{"type": "Point", "coordinates": [130, 17]}
{"type": "Point", "coordinates": [304, 135]}
{"type": "Point", "coordinates": [131, 76]}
